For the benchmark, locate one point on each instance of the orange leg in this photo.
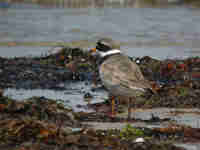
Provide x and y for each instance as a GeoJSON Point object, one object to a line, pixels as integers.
{"type": "Point", "coordinates": [129, 109]}
{"type": "Point", "coordinates": [113, 106]}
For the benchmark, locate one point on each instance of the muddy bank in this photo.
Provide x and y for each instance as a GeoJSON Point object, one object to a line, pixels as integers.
{"type": "Point", "coordinates": [40, 123]}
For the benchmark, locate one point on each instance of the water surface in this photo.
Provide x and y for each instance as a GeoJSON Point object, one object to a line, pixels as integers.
{"type": "Point", "coordinates": [159, 32]}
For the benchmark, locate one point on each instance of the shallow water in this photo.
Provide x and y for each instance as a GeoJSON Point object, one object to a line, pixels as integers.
{"type": "Point", "coordinates": [72, 97]}
{"type": "Point", "coordinates": [190, 146]}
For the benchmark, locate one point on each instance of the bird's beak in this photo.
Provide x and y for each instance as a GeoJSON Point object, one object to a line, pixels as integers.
{"type": "Point", "coordinates": [93, 50]}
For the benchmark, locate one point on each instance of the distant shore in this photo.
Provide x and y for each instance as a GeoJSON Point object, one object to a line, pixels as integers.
{"type": "Point", "coordinates": [102, 3]}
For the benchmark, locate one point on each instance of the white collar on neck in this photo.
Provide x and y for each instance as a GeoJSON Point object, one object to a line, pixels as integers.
{"type": "Point", "coordinates": [113, 51]}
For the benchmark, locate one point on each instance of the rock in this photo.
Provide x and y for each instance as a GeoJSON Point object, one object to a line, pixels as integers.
{"type": "Point", "coordinates": [72, 139]}
{"type": "Point", "coordinates": [46, 72]}
{"type": "Point", "coordinates": [67, 130]}
{"type": "Point", "coordinates": [139, 140]}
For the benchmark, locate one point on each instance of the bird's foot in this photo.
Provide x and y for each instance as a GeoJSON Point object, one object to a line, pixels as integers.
{"type": "Point", "coordinates": [112, 115]}
{"type": "Point", "coordinates": [128, 119]}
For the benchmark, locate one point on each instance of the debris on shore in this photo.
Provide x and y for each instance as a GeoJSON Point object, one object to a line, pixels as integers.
{"type": "Point", "coordinates": [45, 72]}
{"type": "Point", "coordinates": [176, 81]}
{"type": "Point", "coordinates": [40, 123]}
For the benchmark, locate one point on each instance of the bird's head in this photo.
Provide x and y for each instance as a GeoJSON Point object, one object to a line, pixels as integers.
{"type": "Point", "coordinates": [105, 47]}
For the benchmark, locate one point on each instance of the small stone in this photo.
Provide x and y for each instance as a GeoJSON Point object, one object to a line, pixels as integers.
{"type": "Point", "coordinates": [67, 130]}
{"type": "Point", "coordinates": [88, 95]}
{"type": "Point", "coordinates": [139, 140]}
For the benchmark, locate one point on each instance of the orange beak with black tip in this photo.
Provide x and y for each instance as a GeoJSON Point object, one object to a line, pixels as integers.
{"type": "Point", "coordinates": [93, 50]}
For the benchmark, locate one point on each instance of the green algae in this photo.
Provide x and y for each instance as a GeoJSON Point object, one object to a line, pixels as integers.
{"type": "Point", "coordinates": [130, 132]}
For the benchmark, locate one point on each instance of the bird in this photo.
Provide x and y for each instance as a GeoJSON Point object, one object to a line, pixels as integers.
{"type": "Point", "coordinates": [119, 75]}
